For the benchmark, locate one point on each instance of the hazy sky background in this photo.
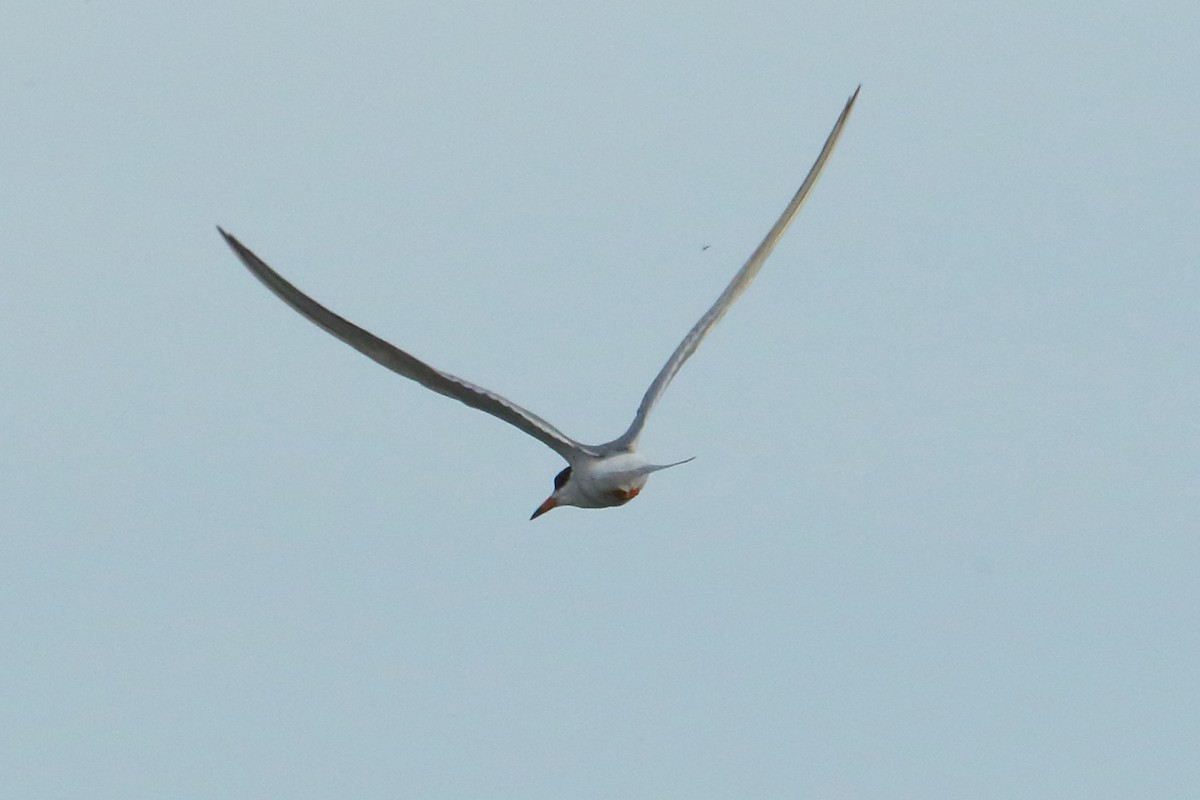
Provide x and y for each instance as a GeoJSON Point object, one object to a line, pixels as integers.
{"type": "Point", "coordinates": [940, 537]}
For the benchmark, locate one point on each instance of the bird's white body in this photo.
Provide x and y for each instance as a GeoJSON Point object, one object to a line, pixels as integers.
{"type": "Point", "coordinates": [599, 476]}
{"type": "Point", "coordinates": [606, 481]}
{"type": "Point", "coordinates": [609, 480]}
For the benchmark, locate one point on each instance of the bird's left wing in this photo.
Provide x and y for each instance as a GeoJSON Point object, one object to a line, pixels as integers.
{"type": "Point", "coordinates": [406, 365]}
{"type": "Point", "coordinates": [736, 286]}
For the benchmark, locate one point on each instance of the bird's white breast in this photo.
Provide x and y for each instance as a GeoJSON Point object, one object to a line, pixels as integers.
{"type": "Point", "coordinates": [599, 480]}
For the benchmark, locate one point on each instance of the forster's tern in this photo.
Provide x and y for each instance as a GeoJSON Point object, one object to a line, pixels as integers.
{"type": "Point", "coordinates": [596, 476]}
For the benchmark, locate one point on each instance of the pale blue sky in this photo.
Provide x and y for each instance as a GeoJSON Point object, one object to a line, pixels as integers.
{"type": "Point", "coordinates": [940, 537]}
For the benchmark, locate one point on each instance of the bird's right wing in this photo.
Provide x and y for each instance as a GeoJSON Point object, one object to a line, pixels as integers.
{"type": "Point", "coordinates": [402, 363]}
{"type": "Point", "coordinates": [736, 286]}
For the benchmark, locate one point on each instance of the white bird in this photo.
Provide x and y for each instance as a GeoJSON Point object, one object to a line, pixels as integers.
{"type": "Point", "coordinates": [596, 476]}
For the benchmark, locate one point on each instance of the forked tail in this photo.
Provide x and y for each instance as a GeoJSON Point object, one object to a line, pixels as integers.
{"type": "Point", "coordinates": [647, 469]}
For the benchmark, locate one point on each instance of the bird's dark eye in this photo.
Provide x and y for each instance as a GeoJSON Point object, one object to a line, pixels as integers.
{"type": "Point", "coordinates": [561, 478]}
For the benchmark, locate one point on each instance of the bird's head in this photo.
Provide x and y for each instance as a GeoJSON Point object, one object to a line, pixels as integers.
{"type": "Point", "coordinates": [563, 494]}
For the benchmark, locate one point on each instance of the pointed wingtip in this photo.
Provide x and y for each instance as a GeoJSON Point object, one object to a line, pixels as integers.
{"type": "Point", "coordinates": [229, 238]}
{"type": "Point", "coordinates": [852, 100]}
{"type": "Point", "coordinates": [239, 249]}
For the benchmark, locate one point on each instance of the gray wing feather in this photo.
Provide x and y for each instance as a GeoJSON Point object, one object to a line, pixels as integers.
{"type": "Point", "coordinates": [404, 364]}
{"type": "Point", "coordinates": [736, 286]}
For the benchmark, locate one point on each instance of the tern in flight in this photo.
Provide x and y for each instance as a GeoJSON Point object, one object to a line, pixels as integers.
{"type": "Point", "coordinates": [596, 476]}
